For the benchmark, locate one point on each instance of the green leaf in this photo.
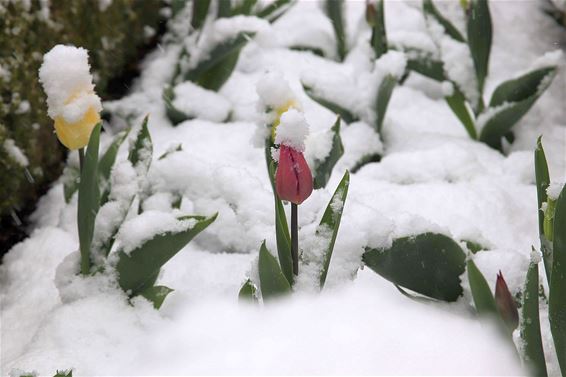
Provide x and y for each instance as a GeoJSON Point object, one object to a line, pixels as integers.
{"type": "Point", "coordinates": [244, 7]}
{"type": "Point", "coordinates": [334, 10]}
{"type": "Point", "coordinates": [138, 270]}
{"type": "Point", "coordinates": [366, 159]}
{"type": "Point", "coordinates": [224, 8]}
{"type": "Point", "coordinates": [64, 373]}
{"type": "Point", "coordinates": [275, 9]}
{"type": "Point", "coordinates": [479, 38]}
{"type": "Point", "coordinates": [473, 246]}
{"type": "Point", "coordinates": [315, 50]}
{"type": "Point", "coordinates": [169, 152]}
{"type": "Point", "coordinates": [511, 101]}
{"type": "Point", "coordinates": [556, 303]}
{"type": "Point", "coordinates": [378, 31]}
{"type": "Point", "coordinates": [383, 96]}
{"type": "Point", "coordinates": [542, 182]}
{"type": "Point", "coordinates": [175, 115]}
{"type": "Point", "coordinates": [483, 297]}
{"type": "Point", "coordinates": [530, 324]}
{"type": "Point", "coordinates": [219, 60]}
{"type": "Point", "coordinates": [457, 103]}
{"type": "Point", "coordinates": [330, 222]}
{"type": "Point", "coordinates": [282, 232]}
{"type": "Point", "coordinates": [156, 294]}
{"type": "Point", "coordinates": [346, 115]}
{"type": "Point", "coordinates": [200, 11]}
{"type": "Point", "coordinates": [106, 163]}
{"type": "Point", "coordinates": [89, 197]}
{"type": "Point", "coordinates": [426, 65]}
{"type": "Point", "coordinates": [71, 179]}
{"type": "Point", "coordinates": [431, 10]}
{"type": "Point", "coordinates": [428, 263]}
{"type": "Point", "coordinates": [324, 169]}
{"type": "Point", "coordinates": [142, 150]}
{"type": "Point", "coordinates": [271, 279]}
{"type": "Point", "coordinates": [247, 292]}
{"type": "Point", "coordinates": [217, 75]}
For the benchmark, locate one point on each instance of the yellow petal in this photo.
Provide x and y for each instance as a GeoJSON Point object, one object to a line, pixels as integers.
{"type": "Point", "coordinates": [76, 135]}
{"type": "Point", "coordinates": [279, 111]}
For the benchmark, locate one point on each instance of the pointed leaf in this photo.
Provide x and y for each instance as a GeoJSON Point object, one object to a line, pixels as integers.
{"type": "Point", "coordinates": [247, 292]}
{"type": "Point", "coordinates": [323, 170]}
{"type": "Point", "coordinates": [429, 264]}
{"type": "Point", "coordinates": [89, 197]}
{"type": "Point", "coordinates": [275, 9]}
{"type": "Point", "coordinates": [215, 77]}
{"type": "Point", "coordinates": [483, 297]}
{"type": "Point", "coordinates": [556, 303]}
{"type": "Point", "coordinates": [533, 352]}
{"type": "Point", "coordinates": [346, 115]}
{"type": "Point", "coordinates": [175, 115]}
{"type": "Point", "coordinates": [431, 10]}
{"type": "Point", "coordinates": [142, 150]}
{"type": "Point", "coordinates": [366, 159]}
{"type": "Point", "coordinates": [511, 101]}
{"type": "Point", "coordinates": [334, 10]}
{"type": "Point", "coordinates": [479, 38]}
{"type": "Point", "coordinates": [426, 65]}
{"type": "Point", "coordinates": [542, 182]}
{"type": "Point", "coordinates": [138, 269]}
{"type": "Point", "coordinates": [457, 103]}
{"type": "Point", "coordinates": [375, 14]}
{"type": "Point", "coordinates": [71, 179]}
{"type": "Point", "coordinates": [200, 11]}
{"type": "Point", "coordinates": [271, 279]}
{"type": "Point", "coordinates": [330, 223]}
{"type": "Point", "coordinates": [156, 294]}
{"type": "Point", "coordinates": [383, 96]}
{"type": "Point", "coordinates": [106, 164]}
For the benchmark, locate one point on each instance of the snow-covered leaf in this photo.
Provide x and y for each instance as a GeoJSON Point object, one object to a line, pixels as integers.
{"type": "Point", "coordinates": [483, 298]}
{"type": "Point", "coordinates": [247, 292]}
{"type": "Point", "coordinates": [542, 181]}
{"type": "Point", "coordinates": [479, 31]}
{"type": "Point", "coordinates": [142, 150]}
{"type": "Point", "coordinates": [89, 199]}
{"type": "Point", "coordinates": [330, 223]}
{"type": "Point", "coordinates": [345, 114]}
{"type": "Point", "coordinates": [271, 279]}
{"type": "Point", "coordinates": [335, 11]}
{"type": "Point", "coordinates": [425, 64]}
{"type": "Point", "coordinates": [156, 294]}
{"type": "Point", "coordinates": [556, 302]}
{"type": "Point", "coordinates": [138, 269]}
{"type": "Point", "coordinates": [430, 10]}
{"type": "Point", "coordinates": [533, 352]}
{"type": "Point", "coordinates": [428, 263]}
{"type": "Point", "coordinates": [323, 170]}
{"type": "Point", "coordinates": [107, 162]}
{"type": "Point", "coordinates": [383, 96]}
{"type": "Point", "coordinates": [275, 9]}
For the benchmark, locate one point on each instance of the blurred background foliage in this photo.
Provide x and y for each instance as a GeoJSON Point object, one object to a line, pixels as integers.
{"type": "Point", "coordinates": [116, 33]}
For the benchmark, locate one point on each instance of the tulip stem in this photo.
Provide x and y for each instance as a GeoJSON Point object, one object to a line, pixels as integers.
{"type": "Point", "coordinates": [295, 238]}
{"type": "Point", "coordinates": [81, 157]}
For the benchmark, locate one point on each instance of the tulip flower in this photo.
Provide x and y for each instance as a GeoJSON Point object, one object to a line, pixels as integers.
{"type": "Point", "coordinates": [505, 303]}
{"type": "Point", "coordinates": [72, 102]}
{"type": "Point", "coordinates": [293, 180]}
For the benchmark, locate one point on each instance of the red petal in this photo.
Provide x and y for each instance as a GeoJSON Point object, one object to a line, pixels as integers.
{"type": "Point", "coordinates": [293, 180]}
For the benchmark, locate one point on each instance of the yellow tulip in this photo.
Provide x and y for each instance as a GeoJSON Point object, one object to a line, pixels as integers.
{"type": "Point", "coordinates": [279, 111]}
{"type": "Point", "coordinates": [76, 135]}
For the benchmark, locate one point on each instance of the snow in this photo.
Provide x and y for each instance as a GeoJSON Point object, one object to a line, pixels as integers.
{"type": "Point", "coordinates": [15, 153]}
{"type": "Point", "coordinates": [554, 189]}
{"type": "Point", "coordinates": [65, 76]}
{"type": "Point", "coordinates": [432, 177]}
{"type": "Point", "coordinates": [197, 102]}
{"type": "Point", "coordinates": [292, 130]}
{"type": "Point", "coordinates": [392, 63]}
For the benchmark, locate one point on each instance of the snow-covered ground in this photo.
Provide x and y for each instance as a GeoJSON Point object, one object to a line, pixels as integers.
{"type": "Point", "coordinates": [432, 177]}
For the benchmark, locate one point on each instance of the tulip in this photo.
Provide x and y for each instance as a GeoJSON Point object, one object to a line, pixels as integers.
{"type": "Point", "coordinates": [76, 135]}
{"type": "Point", "coordinates": [505, 303]}
{"type": "Point", "coordinates": [293, 180]}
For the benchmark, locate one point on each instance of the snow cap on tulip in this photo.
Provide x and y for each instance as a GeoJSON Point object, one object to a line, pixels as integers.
{"type": "Point", "coordinates": [71, 100]}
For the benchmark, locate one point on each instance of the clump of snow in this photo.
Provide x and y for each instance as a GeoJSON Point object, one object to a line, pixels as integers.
{"type": "Point", "coordinates": [292, 130]}
{"type": "Point", "coordinates": [274, 92]}
{"type": "Point", "coordinates": [554, 189]}
{"type": "Point", "coordinates": [142, 228]}
{"type": "Point", "coordinates": [536, 256]}
{"type": "Point", "coordinates": [65, 76]}
{"type": "Point", "coordinates": [15, 153]}
{"type": "Point", "coordinates": [447, 89]}
{"type": "Point", "coordinates": [197, 102]}
{"type": "Point", "coordinates": [549, 59]}
{"type": "Point", "coordinates": [392, 63]}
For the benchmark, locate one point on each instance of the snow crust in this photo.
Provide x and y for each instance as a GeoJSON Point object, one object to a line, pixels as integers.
{"type": "Point", "coordinates": [198, 102]}
{"type": "Point", "coordinates": [65, 76]}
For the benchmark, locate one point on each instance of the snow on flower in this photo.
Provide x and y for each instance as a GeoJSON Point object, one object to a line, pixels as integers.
{"type": "Point", "coordinates": [71, 100]}
{"type": "Point", "coordinates": [292, 130]}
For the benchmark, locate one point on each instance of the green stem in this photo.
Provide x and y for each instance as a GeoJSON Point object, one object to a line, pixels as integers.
{"type": "Point", "coordinates": [81, 158]}
{"type": "Point", "coordinates": [85, 262]}
{"type": "Point", "coordinates": [295, 238]}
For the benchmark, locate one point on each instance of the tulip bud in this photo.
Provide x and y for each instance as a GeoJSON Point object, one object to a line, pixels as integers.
{"type": "Point", "coordinates": [371, 13]}
{"type": "Point", "coordinates": [505, 303]}
{"type": "Point", "coordinates": [293, 180]}
{"type": "Point", "coordinates": [72, 103]}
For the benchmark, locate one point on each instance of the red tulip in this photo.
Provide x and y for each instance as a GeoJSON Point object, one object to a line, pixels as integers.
{"type": "Point", "coordinates": [293, 180]}
{"type": "Point", "coordinates": [505, 303]}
